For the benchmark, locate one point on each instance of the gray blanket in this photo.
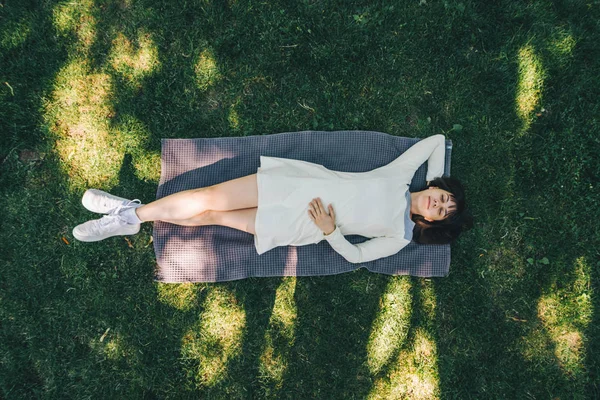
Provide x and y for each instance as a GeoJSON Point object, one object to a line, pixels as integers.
{"type": "Point", "coordinates": [217, 253]}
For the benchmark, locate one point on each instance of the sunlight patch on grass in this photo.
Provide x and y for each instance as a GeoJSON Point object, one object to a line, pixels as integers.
{"type": "Point", "coordinates": [147, 166]}
{"type": "Point", "coordinates": [391, 325]}
{"type": "Point", "coordinates": [562, 44]}
{"type": "Point", "coordinates": [78, 115]}
{"type": "Point", "coordinates": [530, 85]}
{"type": "Point", "coordinates": [279, 338]}
{"type": "Point", "coordinates": [126, 4]}
{"type": "Point", "coordinates": [15, 33]}
{"type": "Point", "coordinates": [535, 347]}
{"type": "Point", "coordinates": [414, 375]}
{"type": "Point", "coordinates": [134, 61]}
{"type": "Point", "coordinates": [428, 299]}
{"type": "Point", "coordinates": [285, 313]}
{"type": "Point", "coordinates": [111, 345]}
{"type": "Point", "coordinates": [558, 338]}
{"type": "Point", "coordinates": [112, 348]}
{"type": "Point", "coordinates": [566, 311]}
{"type": "Point", "coordinates": [181, 296]}
{"type": "Point", "coordinates": [206, 69]}
{"type": "Point", "coordinates": [76, 17]}
{"type": "Point", "coordinates": [233, 116]}
{"type": "Point", "coordinates": [216, 339]}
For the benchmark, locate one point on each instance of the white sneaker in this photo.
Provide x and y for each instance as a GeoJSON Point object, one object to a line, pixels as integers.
{"type": "Point", "coordinates": [101, 202]}
{"type": "Point", "coordinates": [105, 227]}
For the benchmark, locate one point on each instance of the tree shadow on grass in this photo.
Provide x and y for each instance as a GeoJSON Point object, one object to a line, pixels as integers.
{"type": "Point", "coordinates": [511, 324]}
{"type": "Point", "coordinates": [258, 296]}
{"type": "Point", "coordinates": [478, 329]}
{"type": "Point", "coordinates": [334, 320]}
{"type": "Point", "coordinates": [592, 363]}
{"type": "Point", "coordinates": [30, 311]}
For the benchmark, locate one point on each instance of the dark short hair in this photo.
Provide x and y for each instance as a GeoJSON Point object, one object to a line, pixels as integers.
{"type": "Point", "coordinates": [448, 229]}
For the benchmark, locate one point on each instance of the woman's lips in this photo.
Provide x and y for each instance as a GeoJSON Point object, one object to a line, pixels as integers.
{"type": "Point", "coordinates": [428, 201]}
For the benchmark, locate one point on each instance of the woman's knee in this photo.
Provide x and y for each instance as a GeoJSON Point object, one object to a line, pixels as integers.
{"type": "Point", "coordinates": [202, 219]}
{"type": "Point", "coordinates": [205, 197]}
{"type": "Point", "coordinates": [234, 194]}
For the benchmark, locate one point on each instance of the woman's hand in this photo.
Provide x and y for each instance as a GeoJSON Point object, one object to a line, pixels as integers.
{"type": "Point", "coordinates": [325, 221]}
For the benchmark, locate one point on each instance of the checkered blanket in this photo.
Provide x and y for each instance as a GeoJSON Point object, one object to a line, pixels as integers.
{"type": "Point", "coordinates": [217, 253]}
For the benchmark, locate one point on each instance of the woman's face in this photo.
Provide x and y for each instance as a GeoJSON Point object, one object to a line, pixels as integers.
{"type": "Point", "coordinates": [434, 204]}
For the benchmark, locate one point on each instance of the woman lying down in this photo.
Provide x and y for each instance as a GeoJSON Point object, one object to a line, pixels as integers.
{"type": "Point", "coordinates": [292, 202]}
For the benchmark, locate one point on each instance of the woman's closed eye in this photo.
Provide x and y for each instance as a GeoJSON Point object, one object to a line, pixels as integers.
{"type": "Point", "coordinates": [444, 201]}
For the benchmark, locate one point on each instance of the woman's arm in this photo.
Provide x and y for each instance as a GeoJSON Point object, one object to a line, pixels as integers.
{"type": "Point", "coordinates": [432, 150]}
{"type": "Point", "coordinates": [370, 250]}
{"type": "Point", "coordinates": [367, 251]}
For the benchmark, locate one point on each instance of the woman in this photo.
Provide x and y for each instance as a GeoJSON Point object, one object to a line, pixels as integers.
{"type": "Point", "coordinates": [284, 204]}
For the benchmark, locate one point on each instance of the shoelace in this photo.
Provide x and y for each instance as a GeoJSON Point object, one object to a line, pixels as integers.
{"type": "Point", "coordinates": [112, 216]}
{"type": "Point", "coordinates": [117, 210]}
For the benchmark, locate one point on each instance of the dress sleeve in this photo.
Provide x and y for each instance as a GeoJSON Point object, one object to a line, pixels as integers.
{"type": "Point", "coordinates": [432, 150]}
{"type": "Point", "coordinates": [367, 251]}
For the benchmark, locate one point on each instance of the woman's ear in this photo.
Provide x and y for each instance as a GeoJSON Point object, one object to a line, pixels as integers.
{"type": "Point", "coordinates": [428, 219]}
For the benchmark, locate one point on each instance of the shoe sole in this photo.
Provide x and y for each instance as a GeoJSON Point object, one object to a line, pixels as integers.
{"type": "Point", "coordinates": [87, 202]}
{"type": "Point", "coordinates": [132, 231]}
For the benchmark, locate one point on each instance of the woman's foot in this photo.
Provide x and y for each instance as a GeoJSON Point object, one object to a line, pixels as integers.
{"type": "Point", "coordinates": [105, 227]}
{"type": "Point", "coordinates": [101, 202]}
{"type": "Point", "coordinates": [120, 221]}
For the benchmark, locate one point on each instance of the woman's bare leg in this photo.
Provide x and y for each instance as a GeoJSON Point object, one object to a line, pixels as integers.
{"type": "Point", "coordinates": [243, 220]}
{"type": "Point", "coordinates": [235, 194]}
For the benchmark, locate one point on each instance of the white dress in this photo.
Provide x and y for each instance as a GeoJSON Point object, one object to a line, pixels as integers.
{"type": "Point", "coordinates": [373, 204]}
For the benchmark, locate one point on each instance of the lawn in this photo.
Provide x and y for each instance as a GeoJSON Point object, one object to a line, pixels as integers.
{"type": "Point", "coordinates": [89, 87]}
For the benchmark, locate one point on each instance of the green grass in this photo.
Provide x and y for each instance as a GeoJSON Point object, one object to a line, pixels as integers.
{"type": "Point", "coordinates": [87, 90]}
